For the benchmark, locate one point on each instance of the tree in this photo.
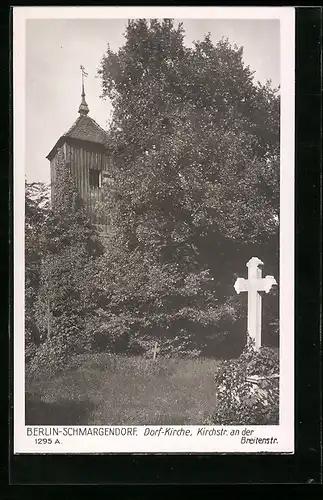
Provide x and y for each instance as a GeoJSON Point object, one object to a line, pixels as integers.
{"type": "Point", "coordinates": [36, 215]}
{"type": "Point", "coordinates": [71, 244]}
{"type": "Point", "coordinates": [195, 159]}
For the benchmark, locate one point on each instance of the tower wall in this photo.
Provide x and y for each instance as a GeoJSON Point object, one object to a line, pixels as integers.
{"type": "Point", "coordinates": [82, 158]}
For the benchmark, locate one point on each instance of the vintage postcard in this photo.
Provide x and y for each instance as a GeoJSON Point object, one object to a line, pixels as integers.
{"type": "Point", "coordinates": [153, 230]}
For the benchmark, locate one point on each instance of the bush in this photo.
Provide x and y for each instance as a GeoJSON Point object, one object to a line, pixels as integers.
{"type": "Point", "coordinates": [49, 359]}
{"type": "Point", "coordinates": [178, 347]}
{"type": "Point", "coordinates": [30, 351]}
{"type": "Point", "coordinates": [242, 402]}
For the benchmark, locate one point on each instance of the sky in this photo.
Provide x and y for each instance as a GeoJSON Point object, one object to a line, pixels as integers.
{"type": "Point", "coordinates": [55, 49]}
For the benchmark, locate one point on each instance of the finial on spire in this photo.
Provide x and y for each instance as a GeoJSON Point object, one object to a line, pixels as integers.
{"type": "Point", "coordinates": [83, 109]}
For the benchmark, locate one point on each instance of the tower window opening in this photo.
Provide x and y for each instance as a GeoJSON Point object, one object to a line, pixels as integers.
{"type": "Point", "coordinates": [95, 178]}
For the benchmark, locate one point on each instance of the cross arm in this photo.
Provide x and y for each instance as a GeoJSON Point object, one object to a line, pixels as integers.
{"type": "Point", "coordinates": [266, 283]}
{"type": "Point", "coordinates": [241, 285]}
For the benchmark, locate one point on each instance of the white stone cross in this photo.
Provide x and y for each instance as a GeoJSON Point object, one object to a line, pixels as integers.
{"type": "Point", "coordinates": [253, 285]}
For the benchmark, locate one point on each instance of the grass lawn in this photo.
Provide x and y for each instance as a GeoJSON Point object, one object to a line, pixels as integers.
{"type": "Point", "coordinates": [101, 389]}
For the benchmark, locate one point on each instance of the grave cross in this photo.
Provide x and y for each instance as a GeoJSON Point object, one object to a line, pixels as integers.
{"type": "Point", "coordinates": [253, 285]}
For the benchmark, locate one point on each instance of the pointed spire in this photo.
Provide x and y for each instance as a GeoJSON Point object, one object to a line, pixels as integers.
{"type": "Point", "coordinates": [83, 109]}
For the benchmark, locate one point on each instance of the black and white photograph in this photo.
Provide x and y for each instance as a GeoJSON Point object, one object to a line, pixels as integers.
{"type": "Point", "coordinates": [153, 219]}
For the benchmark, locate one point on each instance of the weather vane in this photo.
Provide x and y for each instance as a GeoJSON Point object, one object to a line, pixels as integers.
{"type": "Point", "coordinates": [84, 74]}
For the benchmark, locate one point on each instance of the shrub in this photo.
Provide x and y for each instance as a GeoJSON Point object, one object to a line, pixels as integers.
{"type": "Point", "coordinates": [108, 332]}
{"type": "Point", "coordinates": [49, 359]}
{"type": "Point", "coordinates": [179, 346]}
{"type": "Point", "coordinates": [242, 402]}
{"type": "Point", "coordinates": [30, 351]}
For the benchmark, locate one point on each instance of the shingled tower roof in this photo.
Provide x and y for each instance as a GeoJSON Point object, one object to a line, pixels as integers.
{"type": "Point", "coordinates": [86, 129]}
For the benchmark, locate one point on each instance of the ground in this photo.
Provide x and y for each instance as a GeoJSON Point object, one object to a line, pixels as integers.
{"type": "Point", "coordinates": [119, 390]}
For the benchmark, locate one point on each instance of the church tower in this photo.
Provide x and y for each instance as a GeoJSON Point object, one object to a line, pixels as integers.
{"type": "Point", "coordinates": [85, 150]}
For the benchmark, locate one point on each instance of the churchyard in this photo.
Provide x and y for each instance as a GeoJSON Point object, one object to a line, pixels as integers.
{"type": "Point", "coordinates": [107, 389]}
{"type": "Point", "coordinates": [136, 264]}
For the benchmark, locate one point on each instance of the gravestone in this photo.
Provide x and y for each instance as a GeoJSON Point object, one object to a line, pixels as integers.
{"type": "Point", "coordinates": [253, 285]}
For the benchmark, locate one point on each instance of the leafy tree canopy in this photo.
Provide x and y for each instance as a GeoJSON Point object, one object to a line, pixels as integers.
{"type": "Point", "coordinates": [195, 162]}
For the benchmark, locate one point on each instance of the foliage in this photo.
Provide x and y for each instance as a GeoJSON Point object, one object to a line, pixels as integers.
{"type": "Point", "coordinates": [36, 216]}
{"type": "Point", "coordinates": [180, 346]}
{"type": "Point", "coordinates": [194, 146]}
{"type": "Point", "coordinates": [136, 297]}
{"type": "Point", "coordinates": [242, 402]}
{"type": "Point", "coordinates": [69, 245]}
{"type": "Point", "coordinates": [48, 360]}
